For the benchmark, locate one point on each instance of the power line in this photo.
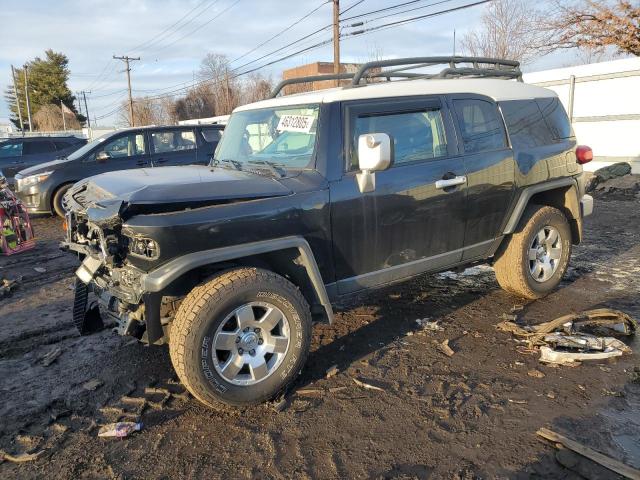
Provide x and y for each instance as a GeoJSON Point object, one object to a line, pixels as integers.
{"type": "Point", "coordinates": [407, 11]}
{"type": "Point", "coordinates": [351, 7]}
{"type": "Point", "coordinates": [304, 17]}
{"type": "Point", "coordinates": [392, 7]}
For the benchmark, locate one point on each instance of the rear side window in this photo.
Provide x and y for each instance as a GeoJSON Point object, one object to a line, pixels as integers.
{"type": "Point", "coordinates": [173, 140]}
{"type": "Point", "coordinates": [525, 124]}
{"type": "Point", "coordinates": [480, 125]}
{"type": "Point", "coordinates": [38, 146]}
{"type": "Point", "coordinates": [11, 149]}
{"type": "Point", "coordinates": [416, 135]}
{"type": "Point", "coordinates": [556, 117]}
{"type": "Point", "coordinates": [61, 144]}
{"type": "Point", "coordinates": [211, 135]}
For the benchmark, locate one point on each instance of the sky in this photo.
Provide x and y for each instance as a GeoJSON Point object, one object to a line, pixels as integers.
{"type": "Point", "coordinates": [172, 36]}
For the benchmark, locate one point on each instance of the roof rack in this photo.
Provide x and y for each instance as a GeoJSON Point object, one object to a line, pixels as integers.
{"type": "Point", "coordinates": [480, 67]}
{"type": "Point", "coordinates": [339, 76]}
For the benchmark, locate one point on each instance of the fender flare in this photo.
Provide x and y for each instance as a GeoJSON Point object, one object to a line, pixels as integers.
{"type": "Point", "coordinates": [529, 192]}
{"type": "Point", "coordinates": [157, 280]}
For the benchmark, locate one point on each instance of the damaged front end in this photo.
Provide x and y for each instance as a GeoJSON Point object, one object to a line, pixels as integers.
{"type": "Point", "coordinates": [94, 230]}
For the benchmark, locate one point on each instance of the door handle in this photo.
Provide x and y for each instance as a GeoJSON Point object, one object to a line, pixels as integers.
{"type": "Point", "coordinates": [451, 182]}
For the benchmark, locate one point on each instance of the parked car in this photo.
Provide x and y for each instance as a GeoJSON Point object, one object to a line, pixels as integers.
{"type": "Point", "coordinates": [23, 152]}
{"type": "Point", "coordinates": [314, 196]}
{"type": "Point", "coordinates": [42, 188]}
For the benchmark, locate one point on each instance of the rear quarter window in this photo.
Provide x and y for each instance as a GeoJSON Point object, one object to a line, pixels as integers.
{"type": "Point", "coordinates": [480, 125]}
{"type": "Point", "coordinates": [212, 135]}
{"type": "Point", "coordinates": [556, 117]}
{"type": "Point", "coordinates": [525, 125]}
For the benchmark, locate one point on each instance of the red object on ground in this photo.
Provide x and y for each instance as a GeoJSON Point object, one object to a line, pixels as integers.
{"type": "Point", "coordinates": [16, 231]}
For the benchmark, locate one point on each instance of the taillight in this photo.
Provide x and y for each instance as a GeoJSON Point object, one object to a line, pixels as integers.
{"type": "Point", "coordinates": [584, 154]}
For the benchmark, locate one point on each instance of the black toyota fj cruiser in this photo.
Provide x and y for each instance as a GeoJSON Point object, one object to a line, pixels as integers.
{"type": "Point", "coordinates": [313, 196]}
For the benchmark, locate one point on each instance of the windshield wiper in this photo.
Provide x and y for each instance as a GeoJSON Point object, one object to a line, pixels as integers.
{"type": "Point", "coordinates": [272, 167]}
{"type": "Point", "coordinates": [236, 164]}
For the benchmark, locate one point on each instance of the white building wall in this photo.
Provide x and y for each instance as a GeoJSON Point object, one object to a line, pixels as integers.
{"type": "Point", "coordinates": [606, 107]}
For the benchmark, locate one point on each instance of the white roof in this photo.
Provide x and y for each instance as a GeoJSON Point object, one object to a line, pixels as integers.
{"type": "Point", "coordinates": [496, 89]}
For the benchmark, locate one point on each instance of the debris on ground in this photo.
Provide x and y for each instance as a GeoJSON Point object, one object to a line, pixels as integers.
{"type": "Point", "coordinates": [20, 458]}
{"type": "Point", "coordinates": [509, 318]}
{"type": "Point", "coordinates": [332, 371]}
{"type": "Point", "coordinates": [517, 308]}
{"type": "Point", "coordinates": [445, 348]}
{"type": "Point", "coordinates": [51, 356]}
{"type": "Point", "coordinates": [119, 429]}
{"type": "Point", "coordinates": [604, 460]}
{"type": "Point", "coordinates": [8, 285]}
{"type": "Point", "coordinates": [40, 269]}
{"type": "Point", "coordinates": [309, 392]}
{"type": "Point", "coordinates": [92, 384]}
{"type": "Point", "coordinates": [367, 386]}
{"type": "Point", "coordinates": [535, 373]}
{"type": "Point", "coordinates": [572, 338]}
{"type": "Point", "coordinates": [427, 324]}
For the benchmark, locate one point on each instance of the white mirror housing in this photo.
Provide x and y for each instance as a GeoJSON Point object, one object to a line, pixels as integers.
{"type": "Point", "coordinates": [374, 151]}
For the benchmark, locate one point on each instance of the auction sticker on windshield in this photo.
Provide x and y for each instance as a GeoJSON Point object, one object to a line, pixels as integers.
{"type": "Point", "coordinates": [295, 123]}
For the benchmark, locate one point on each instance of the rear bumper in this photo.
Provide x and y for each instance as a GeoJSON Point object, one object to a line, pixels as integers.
{"type": "Point", "coordinates": [586, 205]}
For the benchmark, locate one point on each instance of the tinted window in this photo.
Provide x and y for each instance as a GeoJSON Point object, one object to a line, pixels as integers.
{"type": "Point", "coordinates": [556, 117]}
{"type": "Point", "coordinates": [173, 141]}
{"type": "Point", "coordinates": [126, 146]}
{"type": "Point", "coordinates": [38, 146]}
{"type": "Point", "coordinates": [62, 144]}
{"type": "Point", "coordinates": [525, 124]}
{"type": "Point", "coordinates": [480, 125]}
{"type": "Point", "coordinates": [11, 149]}
{"type": "Point", "coordinates": [415, 135]}
{"type": "Point", "coordinates": [211, 135]}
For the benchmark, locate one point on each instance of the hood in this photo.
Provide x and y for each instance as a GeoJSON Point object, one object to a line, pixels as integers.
{"type": "Point", "coordinates": [165, 189]}
{"type": "Point", "coordinates": [43, 167]}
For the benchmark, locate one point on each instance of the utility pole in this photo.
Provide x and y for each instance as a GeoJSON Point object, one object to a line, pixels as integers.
{"type": "Point", "coordinates": [86, 110]}
{"type": "Point", "coordinates": [15, 93]}
{"type": "Point", "coordinates": [336, 38]}
{"type": "Point", "coordinates": [126, 59]}
{"type": "Point", "coordinates": [26, 94]}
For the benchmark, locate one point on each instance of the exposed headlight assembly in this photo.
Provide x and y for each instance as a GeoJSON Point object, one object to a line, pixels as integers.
{"type": "Point", "coordinates": [144, 247]}
{"type": "Point", "coordinates": [23, 182]}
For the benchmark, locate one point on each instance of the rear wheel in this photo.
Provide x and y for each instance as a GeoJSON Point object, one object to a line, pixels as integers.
{"type": "Point", "coordinates": [241, 337]}
{"type": "Point", "coordinates": [533, 260]}
{"type": "Point", "coordinates": [57, 200]}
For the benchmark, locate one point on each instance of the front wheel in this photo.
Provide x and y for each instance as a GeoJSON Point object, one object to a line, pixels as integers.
{"type": "Point", "coordinates": [533, 260]}
{"type": "Point", "coordinates": [58, 208]}
{"type": "Point", "coordinates": [240, 338]}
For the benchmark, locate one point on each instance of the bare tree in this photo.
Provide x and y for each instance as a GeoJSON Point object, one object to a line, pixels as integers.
{"type": "Point", "coordinates": [225, 87]}
{"type": "Point", "coordinates": [256, 87]}
{"type": "Point", "coordinates": [49, 118]}
{"type": "Point", "coordinates": [594, 26]}
{"type": "Point", "coordinates": [146, 111]}
{"type": "Point", "coordinates": [509, 31]}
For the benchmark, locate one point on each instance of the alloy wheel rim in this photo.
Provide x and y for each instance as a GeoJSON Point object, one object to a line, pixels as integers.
{"type": "Point", "coordinates": [251, 343]}
{"type": "Point", "coordinates": [545, 253]}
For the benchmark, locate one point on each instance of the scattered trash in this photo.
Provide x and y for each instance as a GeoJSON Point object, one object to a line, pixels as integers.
{"type": "Point", "coordinates": [336, 389]}
{"type": "Point", "coordinates": [40, 269]}
{"type": "Point", "coordinates": [572, 338]}
{"type": "Point", "coordinates": [427, 324]}
{"type": "Point", "coordinates": [551, 395]}
{"type": "Point", "coordinates": [279, 404]}
{"type": "Point", "coordinates": [517, 308]}
{"type": "Point", "coordinates": [333, 370]}
{"type": "Point", "coordinates": [446, 349]}
{"type": "Point", "coordinates": [510, 318]}
{"type": "Point", "coordinates": [92, 384]}
{"type": "Point", "coordinates": [518, 402]}
{"type": "Point", "coordinates": [22, 457]}
{"type": "Point", "coordinates": [610, 393]}
{"type": "Point", "coordinates": [51, 356]}
{"type": "Point", "coordinates": [7, 285]}
{"type": "Point", "coordinates": [366, 385]}
{"type": "Point", "coordinates": [608, 462]}
{"type": "Point", "coordinates": [536, 373]}
{"type": "Point", "coordinates": [119, 429]}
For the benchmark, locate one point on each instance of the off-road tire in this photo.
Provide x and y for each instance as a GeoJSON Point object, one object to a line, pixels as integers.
{"type": "Point", "coordinates": [512, 261]}
{"type": "Point", "coordinates": [57, 199]}
{"type": "Point", "coordinates": [202, 311]}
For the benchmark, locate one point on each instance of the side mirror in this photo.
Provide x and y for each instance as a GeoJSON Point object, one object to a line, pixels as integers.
{"type": "Point", "coordinates": [102, 157]}
{"type": "Point", "coordinates": [374, 154]}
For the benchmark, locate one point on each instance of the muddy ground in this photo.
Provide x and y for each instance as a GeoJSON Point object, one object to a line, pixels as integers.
{"type": "Point", "coordinates": [472, 415]}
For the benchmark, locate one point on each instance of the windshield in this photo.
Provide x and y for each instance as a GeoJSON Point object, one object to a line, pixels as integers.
{"type": "Point", "coordinates": [87, 148]}
{"type": "Point", "coordinates": [283, 136]}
